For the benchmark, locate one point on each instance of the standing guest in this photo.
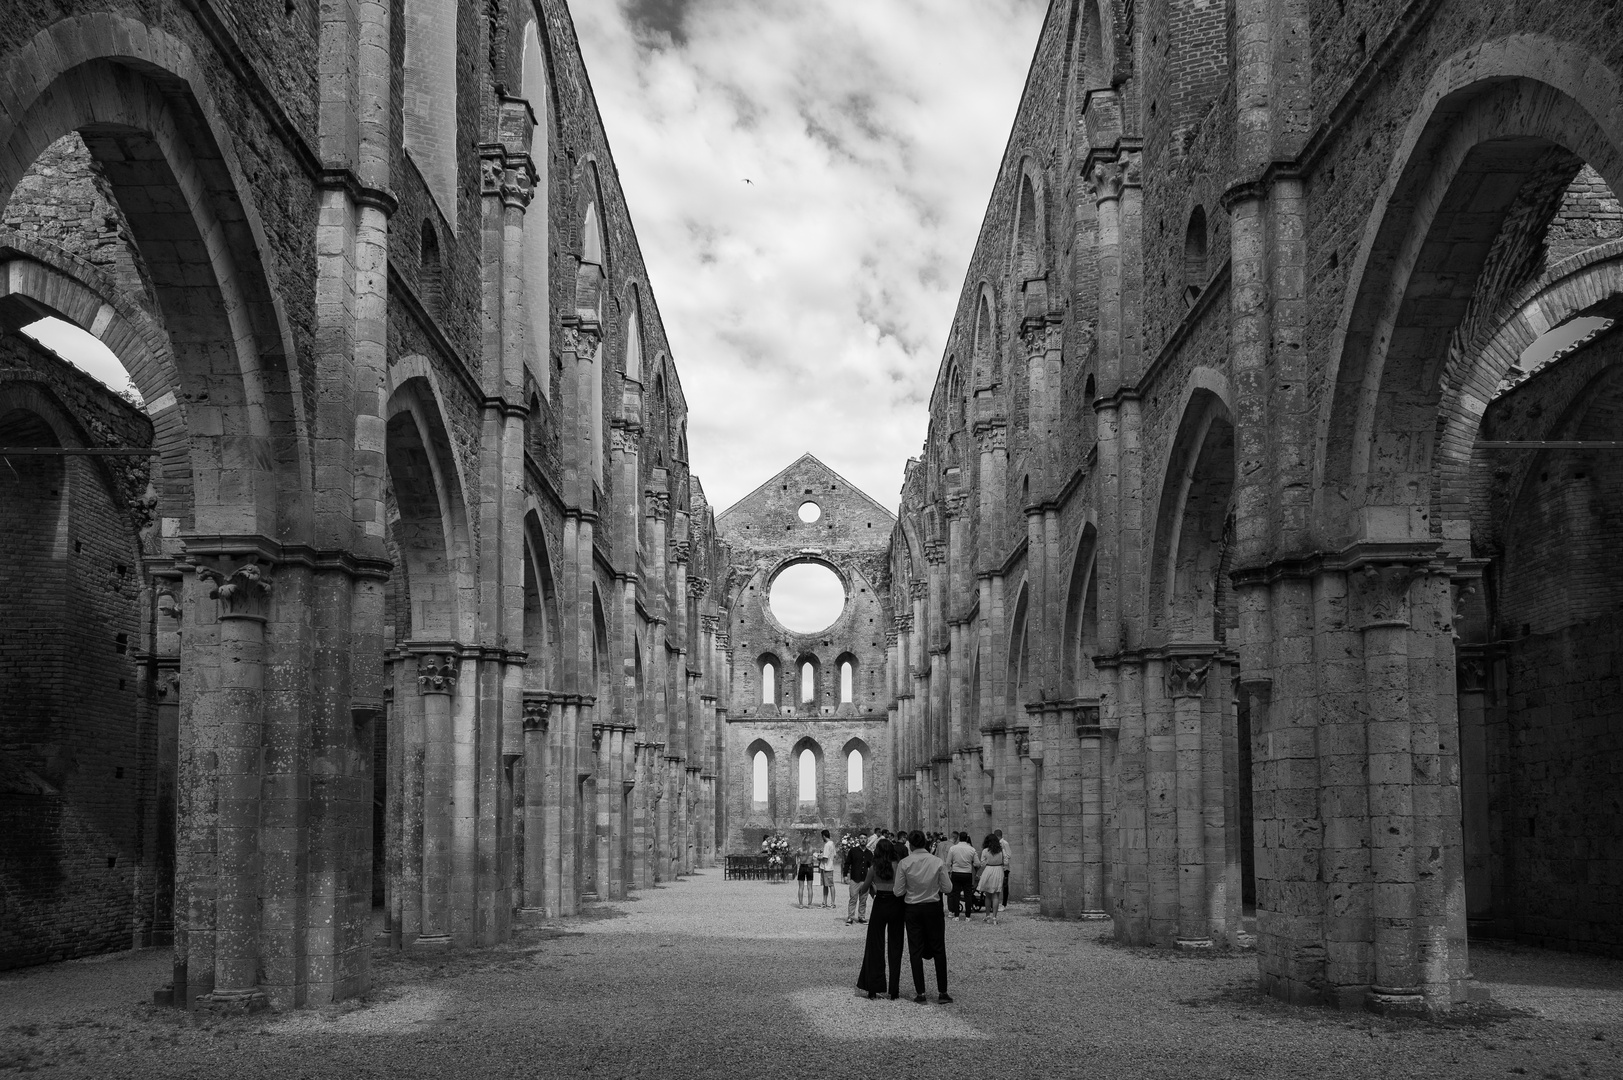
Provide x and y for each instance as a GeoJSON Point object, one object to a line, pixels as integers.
{"type": "Point", "coordinates": [803, 874]}
{"type": "Point", "coordinates": [960, 862]}
{"type": "Point", "coordinates": [825, 870]}
{"type": "Point", "coordinates": [888, 918]}
{"type": "Point", "coordinates": [921, 878]}
{"type": "Point", "coordinates": [1008, 862]}
{"type": "Point", "coordinates": [993, 876]}
{"type": "Point", "coordinates": [873, 841]}
{"type": "Point", "coordinates": [855, 871]}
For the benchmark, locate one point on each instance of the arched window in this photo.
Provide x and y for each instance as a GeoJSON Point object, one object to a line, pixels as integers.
{"type": "Point", "coordinates": [847, 682]}
{"type": "Point", "coordinates": [634, 341]}
{"type": "Point", "coordinates": [430, 271]}
{"type": "Point", "coordinates": [808, 682]}
{"type": "Point", "coordinates": [589, 304]}
{"type": "Point", "coordinates": [1194, 256]}
{"type": "Point", "coordinates": [429, 92]}
{"type": "Point", "coordinates": [853, 772]}
{"type": "Point", "coordinates": [537, 253]}
{"type": "Point", "coordinates": [808, 776]}
{"type": "Point", "coordinates": [760, 768]}
{"type": "Point", "coordinates": [769, 682]}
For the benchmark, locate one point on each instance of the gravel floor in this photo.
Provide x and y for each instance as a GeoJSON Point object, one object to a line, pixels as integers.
{"type": "Point", "coordinates": [707, 977]}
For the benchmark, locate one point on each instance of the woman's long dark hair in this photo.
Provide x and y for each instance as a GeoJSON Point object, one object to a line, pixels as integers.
{"type": "Point", "coordinates": [992, 845]}
{"type": "Point", "coordinates": [884, 861]}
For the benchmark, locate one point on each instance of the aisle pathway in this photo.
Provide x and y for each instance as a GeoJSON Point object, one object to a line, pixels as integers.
{"type": "Point", "coordinates": [714, 978]}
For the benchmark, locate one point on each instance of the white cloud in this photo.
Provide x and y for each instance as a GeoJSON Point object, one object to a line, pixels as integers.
{"type": "Point", "coordinates": [807, 310]}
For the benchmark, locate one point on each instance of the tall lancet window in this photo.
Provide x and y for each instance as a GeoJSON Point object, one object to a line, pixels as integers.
{"type": "Point", "coordinates": [808, 776]}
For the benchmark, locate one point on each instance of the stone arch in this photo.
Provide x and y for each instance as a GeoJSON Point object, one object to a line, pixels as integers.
{"type": "Point", "coordinates": [1019, 654]}
{"type": "Point", "coordinates": [856, 773]}
{"type": "Point", "coordinates": [40, 276]}
{"type": "Point", "coordinates": [541, 637]}
{"type": "Point", "coordinates": [762, 748]}
{"type": "Point", "coordinates": [808, 681]}
{"type": "Point", "coordinates": [988, 356]}
{"type": "Point", "coordinates": [601, 686]}
{"type": "Point", "coordinates": [1082, 618]}
{"type": "Point", "coordinates": [429, 98]}
{"type": "Point", "coordinates": [1498, 109]}
{"type": "Point", "coordinates": [808, 745]}
{"type": "Point", "coordinates": [1195, 267]}
{"type": "Point", "coordinates": [770, 671]}
{"type": "Point", "coordinates": [535, 81]}
{"type": "Point", "coordinates": [1590, 282]}
{"type": "Point", "coordinates": [430, 523]}
{"type": "Point", "coordinates": [1193, 525]}
{"type": "Point", "coordinates": [139, 100]}
{"type": "Point", "coordinates": [1029, 255]}
{"type": "Point", "coordinates": [633, 338]}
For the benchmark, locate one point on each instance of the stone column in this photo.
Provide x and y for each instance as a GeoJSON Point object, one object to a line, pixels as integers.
{"type": "Point", "coordinates": [1027, 883]}
{"type": "Point", "coordinates": [1186, 678]}
{"type": "Point", "coordinates": [437, 675]}
{"type": "Point", "coordinates": [235, 705]}
{"type": "Point", "coordinates": [1096, 843]}
{"type": "Point", "coordinates": [537, 770]}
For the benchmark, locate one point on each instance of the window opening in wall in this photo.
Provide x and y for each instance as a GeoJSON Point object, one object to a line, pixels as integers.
{"type": "Point", "coordinates": [808, 776]}
{"type": "Point", "coordinates": [85, 351]}
{"type": "Point", "coordinates": [769, 683]}
{"type": "Point", "coordinates": [536, 241]}
{"type": "Point", "coordinates": [1194, 256]}
{"type": "Point", "coordinates": [810, 512]}
{"type": "Point", "coordinates": [430, 270]}
{"type": "Point", "coordinates": [759, 768]}
{"type": "Point", "coordinates": [808, 682]}
{"type": "Point", "coordinates": [1555, 343]}
{"type": "Point", "coordinates": [430, 112]}
{"type": "Point", "coordinates": [853, 772]}
{"type": "Point", "coordinates": [846, 680]}
{"type": "Point", "coordinates": [806, 597]}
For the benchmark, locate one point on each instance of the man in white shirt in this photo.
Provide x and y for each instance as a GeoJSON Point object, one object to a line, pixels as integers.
{"type": "Point", "coordinates": [960, 862]}
{"type": "Point", "coordinates": [825, 869]}
{"type": "Point", "coordinates": [921, 878]}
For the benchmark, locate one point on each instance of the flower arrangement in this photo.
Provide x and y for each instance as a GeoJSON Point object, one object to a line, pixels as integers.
{"type": "Point", "coordinates": [849, 842]}
{"type": "Point", "coordinates": [776, 849]}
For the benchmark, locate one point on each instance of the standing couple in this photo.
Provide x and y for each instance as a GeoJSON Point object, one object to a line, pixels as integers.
{"type": "Point", "coordinates": [906, 882]}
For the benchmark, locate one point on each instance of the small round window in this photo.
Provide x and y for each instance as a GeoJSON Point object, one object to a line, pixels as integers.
{"type": "Point", "coordinates": [810, 511]}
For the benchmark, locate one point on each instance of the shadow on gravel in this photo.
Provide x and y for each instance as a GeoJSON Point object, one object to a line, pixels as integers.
{"type": "Point", "coordinates": [1246, 1002]}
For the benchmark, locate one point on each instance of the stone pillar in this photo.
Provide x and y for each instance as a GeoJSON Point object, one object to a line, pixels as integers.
{"type": "Point", "coordinates": [536, 771]}
{"type": "Point", "coordinates": [437, 675]}
{"type": "Point", "coordinates": [1186, 679]}
{"type": "Point", "coordinates": [1027, 883]}
{"type": "Point", "coordinates": [233, 708]}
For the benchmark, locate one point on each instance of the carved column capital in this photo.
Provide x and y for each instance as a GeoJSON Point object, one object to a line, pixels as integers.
{"type": "Point", "coordinates": [681, 551]}
{"type": "Point", "coordinates": [1378, 595]}
{"type": "Point", "coordinates": [992, 438]}
{"type": "Point", "coordinates": [918, 590]}
{"type": "Point", "coordinates": [243, 593]}
{"type": "Point", "coordinates": [436, 673]}
{"type": "Point", "coordinates": [536, 716]}
{"type": "Point", "coordinates": [1186, 676]}
{"type": "Point", "coordinates": [957, 504]}
{"type": "Point", "coordinates": [658, 504]}
{"type": "Point", "coordinates": [582, 339]}
{"type": "Point", "coordinates": [697, 587]}
{"type": "Point", "coordinates": [1110, 178]}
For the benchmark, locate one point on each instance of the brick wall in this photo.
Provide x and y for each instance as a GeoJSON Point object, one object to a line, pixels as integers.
{"type": "Point", "coordinates": [77, 816]}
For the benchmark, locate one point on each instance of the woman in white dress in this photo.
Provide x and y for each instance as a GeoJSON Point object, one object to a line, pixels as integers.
{"type": "Point", "coordinates": [991, 883]}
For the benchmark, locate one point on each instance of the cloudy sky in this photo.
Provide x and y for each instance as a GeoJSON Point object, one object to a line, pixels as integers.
{"type": "Point", "coordinates": [807, 309]}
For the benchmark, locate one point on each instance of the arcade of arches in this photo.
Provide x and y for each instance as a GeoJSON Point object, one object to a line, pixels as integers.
{"type": "Point", "coordinates": [1254, 576]}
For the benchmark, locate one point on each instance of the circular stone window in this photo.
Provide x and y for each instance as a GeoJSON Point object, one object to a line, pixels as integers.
{"type": "Point", "coordinates": [807, 597]}
{"type": "Point", "coordinates": [810, 512]}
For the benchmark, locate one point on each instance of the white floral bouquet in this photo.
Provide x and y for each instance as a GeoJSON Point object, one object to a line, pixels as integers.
{"type": "Point", "coordinates": [776, 849]}
{"type": "Point", "coordinates": [849, 843]}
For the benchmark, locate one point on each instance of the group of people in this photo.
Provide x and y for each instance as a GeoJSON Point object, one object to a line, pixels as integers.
{"type": "Point", "coordinates": [908, 876]}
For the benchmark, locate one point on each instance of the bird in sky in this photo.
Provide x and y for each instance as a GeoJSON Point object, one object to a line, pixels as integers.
{"type": "Point", "coordinates": [748, 181]}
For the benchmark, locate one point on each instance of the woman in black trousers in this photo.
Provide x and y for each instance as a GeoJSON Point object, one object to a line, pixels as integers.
{"type": "Point", "coordinates": [886, 917]}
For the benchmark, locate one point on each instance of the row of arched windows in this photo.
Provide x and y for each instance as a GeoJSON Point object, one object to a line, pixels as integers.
{"type": "Point", "coordinates": [809, 670]}
{"type": "Point", "coordinates": [806, 775]}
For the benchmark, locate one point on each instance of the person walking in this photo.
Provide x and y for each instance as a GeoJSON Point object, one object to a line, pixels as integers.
{"type": "Point", "coordinates": [921, 878]}
{"type": "Point", "coordinates": [960, 862]}
{"type": "Point", "coordinates": [855, 871]}
{"type": "Point", "coordinates": [1008, 863]}
{"type": "Point", "coordinates": [825, 869]}
{"type": "Point", "coordinates": [994, 863]}
{"type": "Point", "coordinates": [882, 952]}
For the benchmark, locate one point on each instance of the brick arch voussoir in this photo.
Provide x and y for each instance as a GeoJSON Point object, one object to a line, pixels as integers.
{"type": "Point", "coordinates": [1519, 86]}
{"type": "Point", "coordinates": [105, 71]}
{"type": "Point", "coordinates": [46, 276]}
